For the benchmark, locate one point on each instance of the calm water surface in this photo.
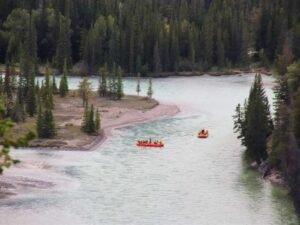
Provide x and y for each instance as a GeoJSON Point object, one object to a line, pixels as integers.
{"type": "Point", "coordinates": [189, 182]}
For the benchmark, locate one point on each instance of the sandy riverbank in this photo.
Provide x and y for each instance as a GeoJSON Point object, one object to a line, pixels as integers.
{"type": "Point", "coordinates": [68, 114]}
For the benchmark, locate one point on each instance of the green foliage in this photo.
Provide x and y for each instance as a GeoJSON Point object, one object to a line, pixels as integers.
{"type": "Point", "coordinates": [102, 90]}
{"type": "Point", "coordinates": [296, 116]}
{"type": "Point", "coordinates": [156, 59]}
{"type": "Point", "coordinates": [39, 122]}
{"type": "Point", "coordinates": [115, 84]}
{"type": "Point", "coordinates": [293, 76]}
{"type": "Point", "coordinates": [84, 125]}
{"type": "Point", "coordinates": [31, 101]}
{"type": "Point", "coordinates": [150, 89]}
{"type": "Point", "coordinates": [138, 84]}
{"type": "Point", "coordinates": [54, 85]}
{"type": "Point", "coordinates": [282, 97]}
{"type": "Point", "coordinates": [97, 121]}
{"type": "Point", "coordinates": [63, 50]}
{"type": "Point", "coordinates": [47, 91]}
{"type": "Point", "coordinates": [253, 123]}
{"type": "Point", "coordinates": [18, 111]}
{"type": "Point", "coordinates": [85, 91]}
{"type": "Point", "coordinates": [46, 124]}
{"type": "Point", "coordinates": [91, 123]}
{"type": "Point", "coordinates": [285, 58]}
{"type": "Point", "coordinates": [63, 85]}
{"type": "Point", "coordinates": [160, 36]}
{"type": "Point", "coordinates": [119, 91]}
{"type": "Point", "coordinates": [7, 140]}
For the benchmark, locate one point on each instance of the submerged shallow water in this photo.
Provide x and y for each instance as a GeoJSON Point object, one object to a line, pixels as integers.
{"type": "Point", "coordinates": [189, 182]}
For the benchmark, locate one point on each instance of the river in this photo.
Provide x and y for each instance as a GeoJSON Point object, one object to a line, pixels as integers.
{"type": "Point", "coordinates": [189, 182]}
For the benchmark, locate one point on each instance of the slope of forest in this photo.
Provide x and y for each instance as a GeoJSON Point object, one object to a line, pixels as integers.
{"type": "Point", "coordinates": [150, 35]}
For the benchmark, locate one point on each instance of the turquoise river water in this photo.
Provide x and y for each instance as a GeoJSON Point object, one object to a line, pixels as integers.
{"type": "Point", "coordinates": [189, 182]}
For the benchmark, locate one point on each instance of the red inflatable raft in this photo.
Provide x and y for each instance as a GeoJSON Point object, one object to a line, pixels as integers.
{"type": "Point", "coordinates": [153, 145]}
{"type": "Point", "coordinates": [203, 135]}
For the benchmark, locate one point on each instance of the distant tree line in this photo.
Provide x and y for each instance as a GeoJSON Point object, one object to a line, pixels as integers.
{"type": "Point", "coordinates": [151, 35]}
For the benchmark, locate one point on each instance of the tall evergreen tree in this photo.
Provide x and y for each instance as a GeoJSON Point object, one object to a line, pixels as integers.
{"type": "Point", "coordinates": [85, 119]}
{"type": "Point", "coordinates": [48, 124]}
{"type": "Point", "coordinates": [296, 116]}
{"type": "Point", "coordinates": [54, 85]}
{"type": "Point", "coordinates": [39, 122]}
{"type": "Point", "coordinates": [47, 93]}
{"type": "Point", "coordinates": [97, 121]}
{"type": "Point", "coordinates": [63, 85]}
{"type": "Point", "coordinates": [91, 121]}
{"type": "Point", "coordinates": [119, 91]}
{"type": "Point", "coordinates": [85, 91]}
{"type": "Point", "coordinates": [63, 50]}
{"type": "Point", "coordinates": [138, 84]}
{"type": "Point", "coordinates": [31, 103]}
{"type": "Point", "coordinates": [113, 82]}
{"type": "Point", "coordinates": [150, 89]}
{"type": "Point", "coordinates": [156, 59]}
{"type": "Point", "coordinates": [18, 114]}
{"type": "Point", "coordinates": [102, 90]}
{"type": "Point", "coordinates": [254, 123]}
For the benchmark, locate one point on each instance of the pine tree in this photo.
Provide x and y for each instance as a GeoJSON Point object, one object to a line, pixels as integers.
{"type": "Point", "coordinates": [48, 124]}
{"type": "Point", "coordinates": [138, 85]}
{"type": "Point", "coordinates": [293, 78]}
{"type": "Point", "coordinates": [54, 86]}
{"type": "Point", "coordinates": [285, 58]}
{"type": "Point", "coordinates": [281, 91]}
{"type": "Point", "coordinates": [1, 87]}
{"type": "Point", "coordinates": [119, 91]}
{"type": "Point", "coordinates": [85, 91]}
{"type": "Point", "coordinates": [296, 116]}
{"type": "Point", "coordinates": [110, 86]}
{"type": "Point", "coordinates": [63, 50]}
{"type": "Point", "coordinates": [31, 103]}
{"type": "Point", "coordinates": [39, 122]}
{"type": "Point", "coordinates": [254, 123]}
{"type": "Point", "coordinates": [84, 125]}
{"type": "Point", "coordinates": [156, 59]}
{"type": "Point", "coordinates": [91, 121]}
{"type": "Point", "coordinates": [113, 83]}
{"type": "Point", "coordinates": [102, 90]}
{"type": "Point", "coordinates": [18, 114]}
{"type": "Point", "coordinates": [191, 49]}
{"type": "Point", "coordinates": [8, 91]}
{"type": "Point", "coordinates": [97, 121]}
{"type": "Point", "coordinates": [47, 93]}
{"type": "Point", "coordinates": [280, 136]}
{"type": "Point", "coordinates": [150, 90]}
{"type": "Point", "coordinates": [63, 86]}
{"type": "Point", "coordinates": [240, 122]}
{"type": "Point", "coordinates": [37, 88]}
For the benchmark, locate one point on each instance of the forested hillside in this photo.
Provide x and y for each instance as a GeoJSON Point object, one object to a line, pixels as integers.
{"type": "Point", "coordinates": [149, 35]}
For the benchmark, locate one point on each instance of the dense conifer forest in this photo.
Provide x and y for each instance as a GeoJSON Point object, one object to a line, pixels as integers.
{"type": "Point", "coordinates": [149, 35]}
